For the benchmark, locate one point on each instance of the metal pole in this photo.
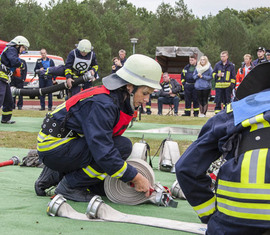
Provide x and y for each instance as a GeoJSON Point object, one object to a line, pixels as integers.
{"type": "Point", "coordinates": [133, 48]}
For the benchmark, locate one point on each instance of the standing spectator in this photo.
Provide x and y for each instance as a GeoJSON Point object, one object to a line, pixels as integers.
{"type": "Point", "coordinates": [80, 61]}
{"type": "Point", "coordinates": [169, 93]}
{"type": "Point", "coordinates": [260, 54]}
{"type": "Point", "coordinates": [203, 77]}
{"type": "Point", "coordinates": [9, 61]}
{"type": "Point", "coordinates": [267, 55]}
{"type": "Point", "coordinates": [17, 81]}
{"type": "Point", "coordinates": [189, 89]}
{"type": "Point", "coordinates": [122, 56]}
{"type": "Point", "coordinates": [44, 80]}
{"type": "Point", "coordinates": [116, 64]}
{"type": "Point", "coordinates": [244, 70]}
{"type": "Point", "coordinates": [224, 75]}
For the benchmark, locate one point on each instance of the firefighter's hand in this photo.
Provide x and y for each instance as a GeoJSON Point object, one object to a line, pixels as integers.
{"type": "Point", "coordinates": [69, 82]}
{"type": "Point", "coordinates": [54, 82]}
{"type": "Point", "coordinates": [92, 72]}
{"type": "Point", "coordinates": [142, 184]}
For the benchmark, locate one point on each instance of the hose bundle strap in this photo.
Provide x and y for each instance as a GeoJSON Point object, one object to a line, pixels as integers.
{"type": "Point", "coordinates": [120, 192]}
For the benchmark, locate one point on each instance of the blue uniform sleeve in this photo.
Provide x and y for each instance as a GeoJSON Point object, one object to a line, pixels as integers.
{"type": "Point", "coordinates": [69, 64]}
{"type": "Point", "coordinates": [94, 63]}
{"type": "Point", "coordinates": [192, 166]}
{"type": "Point", "coordinates": [24, 70]}
{"type": "Point", "coordinates": [215, 72]}
{"type": "Point", "coordinates": [12, 56]}
{"type": "Point", "coordinates": [52, 65]}
{"type": "Point", "coordinates": [97, 124]}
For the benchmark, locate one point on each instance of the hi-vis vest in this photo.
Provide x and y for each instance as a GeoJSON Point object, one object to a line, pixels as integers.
{"type": "Point", "coordinates": [81, 65]}
{"type": "Point", "coordinates": [243, 189]}
{"type": "Point", "coordinates": [124, 119]}
{"type": "Point", "coordinates": [48, 142]}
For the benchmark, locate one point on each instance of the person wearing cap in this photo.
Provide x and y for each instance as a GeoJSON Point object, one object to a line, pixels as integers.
{"type": "Point", "coordinates": [267, 54]}
{"type": "Point", "coordinates": [224, 75]}
{"type": "Point", "coordinates": [80, 61]}
{"type": "Point", "coordinates": [81, 139]}
{"type": "Point", "coordinates": [260, 54]}
{"type": "Point", "coordinates": [239, 202]}
{"type": "Point", "coordinates": [9, 61]}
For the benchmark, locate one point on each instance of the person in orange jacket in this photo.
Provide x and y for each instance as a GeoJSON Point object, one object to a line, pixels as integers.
{"type": "Point", "coordinates": [244, 70]}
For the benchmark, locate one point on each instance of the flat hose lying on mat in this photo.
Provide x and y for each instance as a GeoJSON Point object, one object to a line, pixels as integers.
{"type": "Point", "coordinates": [120, 192]}
{"type": "Point", "coordinates": [98, 211]}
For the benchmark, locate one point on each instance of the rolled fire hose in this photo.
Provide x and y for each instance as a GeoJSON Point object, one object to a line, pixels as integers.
{"type": "Point", "coordinates": [98, 211]}
{"type": "Point", "coordinates": [50, 89]}
{"type": "Point", "coordinates": [123, 193]}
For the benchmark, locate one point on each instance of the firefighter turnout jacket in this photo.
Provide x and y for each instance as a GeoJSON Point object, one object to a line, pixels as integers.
{"type": "Point", "coordinates": [93, 116]}
{"type": "Point", "coordinates": [76, 64]}
{"type": "Point", "coordinates": [228, 71]}
{"type": "Point", "coordinates": [187, 74]}
{"type": "Point", "coordinates": [241, 134]}
{"type": "Point", "coordinates": [9, 61]}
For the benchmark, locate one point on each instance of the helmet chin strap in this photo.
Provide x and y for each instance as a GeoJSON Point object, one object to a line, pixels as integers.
{"type": "Point", "coordinates": [132, 97]}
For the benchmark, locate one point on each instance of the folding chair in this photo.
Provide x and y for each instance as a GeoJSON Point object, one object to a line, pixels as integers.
{"type": "Point", "coordinates": [171, 110]}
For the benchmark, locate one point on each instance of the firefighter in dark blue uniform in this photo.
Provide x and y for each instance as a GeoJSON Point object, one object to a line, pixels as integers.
{"type": "Point", "coordinates": [9, 61]}
{"type": "Point", "coordinates": [239, 204]}
{"type": "Point", "coordinates": [81, 139]}
{"type": "Point", "coordinates": [44, 63]}
{"type": "Point", "coordinates": [80, 61]}
{"type": "Point", "coordinates": [261, 59]}
{"type": "Point", "coordinates": [17, 81]}
{"type": "Point", "coordinates": [224, 75]}
{"type": "Point", "coordinates": [189, 89]}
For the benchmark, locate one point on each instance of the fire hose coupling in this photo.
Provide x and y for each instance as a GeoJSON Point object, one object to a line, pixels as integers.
{"type": "Point", "coordinates": [55, 204]}
{"type": "Point", "coordinates": [93, 207]}
{"type": "Point", "coordinates": [177, 191]}
{"type": "Point", "coordinates": [88, 76]}
{"type": "Point", "coordinates": [162, 197]}
{"type": "Point", "coordinates": [16, 160]}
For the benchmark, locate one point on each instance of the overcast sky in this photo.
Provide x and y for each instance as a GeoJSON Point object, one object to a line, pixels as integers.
{"type": "Point", "coordinates": [199, 7]}
{"type": "Point", "coordinates": [205, 7]}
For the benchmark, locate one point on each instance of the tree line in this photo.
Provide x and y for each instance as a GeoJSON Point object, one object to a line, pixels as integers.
{"type": "Point", "coordinates": [110, 24]}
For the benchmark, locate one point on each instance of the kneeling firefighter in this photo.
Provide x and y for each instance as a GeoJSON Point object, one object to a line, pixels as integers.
{"type": "Point", "coordinates": [240, 133]}
{"type": "Point", "coordinates": [80, 142]}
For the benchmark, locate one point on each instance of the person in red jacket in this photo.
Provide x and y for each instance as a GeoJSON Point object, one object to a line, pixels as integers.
{"type": "Point", "coordinates": [244, 70]}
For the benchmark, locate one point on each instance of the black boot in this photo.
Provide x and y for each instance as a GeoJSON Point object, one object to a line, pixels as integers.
{"type": "Point", "coordinates": [196, 113]}
{"type": "Point", "coordinates": [47, 179]}
{"type": "Point", "coordinates": [74, 194]}
{"type": "Point", "coordinates": [187, 113]}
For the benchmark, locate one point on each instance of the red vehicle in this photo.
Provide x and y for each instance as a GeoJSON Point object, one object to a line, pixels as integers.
{"type": "Point", "coordinates": [2, 45]}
